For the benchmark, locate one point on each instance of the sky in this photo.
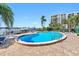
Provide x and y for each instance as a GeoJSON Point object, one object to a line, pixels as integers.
{"type": "Point", "coordinates": [29, 14]}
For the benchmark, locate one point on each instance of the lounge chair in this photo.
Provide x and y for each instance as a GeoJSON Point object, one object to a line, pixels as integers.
{"type": "Point", "coordinates": [2, 40]}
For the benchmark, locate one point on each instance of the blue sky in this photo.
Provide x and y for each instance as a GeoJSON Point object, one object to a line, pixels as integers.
{"type": "Point", "coordinates": [29, 14]}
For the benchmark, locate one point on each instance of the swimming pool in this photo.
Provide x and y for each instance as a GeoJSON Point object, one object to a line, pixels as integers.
{"type": "Point", "coordinates": [40, 38]}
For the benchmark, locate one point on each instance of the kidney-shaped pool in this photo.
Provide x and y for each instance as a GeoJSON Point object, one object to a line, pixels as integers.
{"type": "Point", "coordinates": [40, 38]}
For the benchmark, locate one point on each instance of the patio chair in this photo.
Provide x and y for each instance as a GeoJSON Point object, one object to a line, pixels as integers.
{"type": "Point", "coordinates": [2, 40]}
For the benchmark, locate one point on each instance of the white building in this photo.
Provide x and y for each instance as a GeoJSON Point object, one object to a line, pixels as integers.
{"type": "Point", "coordinates": [60, 17]}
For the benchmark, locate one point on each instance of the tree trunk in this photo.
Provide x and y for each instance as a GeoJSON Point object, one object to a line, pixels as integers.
{"type": "Point", "coordinates": [69, 28]}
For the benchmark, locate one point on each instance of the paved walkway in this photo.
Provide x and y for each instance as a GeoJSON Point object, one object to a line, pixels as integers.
{"type": "Point", "coordinates": [68, 47]}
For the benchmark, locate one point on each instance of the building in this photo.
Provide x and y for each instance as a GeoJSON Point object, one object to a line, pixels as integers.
{"type": "Point", "coordinates": [59, 17]}
{"type": "Point", "coordinates": [54, 18]}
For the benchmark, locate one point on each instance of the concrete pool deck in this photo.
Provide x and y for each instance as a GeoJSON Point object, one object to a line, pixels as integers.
{"type": "Point", "coordinates": [68, 47]}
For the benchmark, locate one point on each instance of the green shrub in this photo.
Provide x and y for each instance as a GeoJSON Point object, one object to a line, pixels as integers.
{"type": "Point", "coordinates": [39, 29]}
{"type": "Point", "coordinates": [77, 34]}
{"type": "Point", "coordinates": [49, 29]}
{"type": "Point", "coordinates": [66, 30]}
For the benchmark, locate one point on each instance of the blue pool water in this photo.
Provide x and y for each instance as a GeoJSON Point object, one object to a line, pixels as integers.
{"type": "Point", "coordinates": [40, 37]}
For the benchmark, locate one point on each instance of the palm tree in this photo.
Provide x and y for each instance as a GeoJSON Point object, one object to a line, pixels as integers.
{"type": "Point", "coordinates": [43, 20]}
{"type": "Point", "coordinates": [63, 24]}
{"type": "Point", "coordinates": [73, 21]}
{"type": "Point", "coordinates": [76, 18]}
{"type": "Point", "coordinates": [54, 25]}
{"type": "Point", "coordinates": [6, 15]}
{"type": "Point", "coordinates": [70, 22]}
